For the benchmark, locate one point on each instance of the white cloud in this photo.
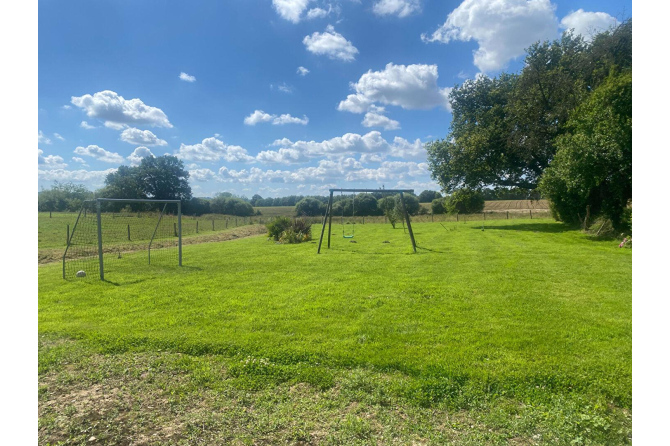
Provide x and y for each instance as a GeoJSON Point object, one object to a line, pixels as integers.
{"type": "Point", "coordinates": [99, 153]}
{"type": "Point", "coordinates": [371, 146]}
{"type": "Point", "coordinates": [316, 13]}
{"type": "Point", "coordinates": [86, 125]}
{"type": "Point", "coordinates": [92, 178]}
{"type": "Point", "coordinates": [212, 149]}
{"type": "Point", "coordinates": [114, 110]}
{"type": "Point", "coordinates": [57, 136]}
{"type": "Point", "coordinates": [376, 118]}
{"type": "Point", "coordinates": [186, 77]}
{"type": "Point", "coordinates": [50, 161]}
{"type": "Point", "coordinates": [285, 88]}
{"type": "Point", "coordinates": [290, 10]}
{"type": "Point", "coordinates": [408, 86]}
{"type": "Point", "coordinates": [66, 107]}
{"type": "Point", "coordinates": [330, 172]}
{"type": "Point", "coordinates": [81, 161]}
{"type": "Point", "coordinates": [588, 23]}
{"type": "Point", "coordinates": [330, 43]}
{"type": "Point", "coordinates": [400, 8]}
{"type": "Point", "coordinates": [259, 116]}
{"type": "Point", "coordinates": [141, 137]}
{"type": "Point", "coordinates": [138, 155]}
{"type": "Point", "coordinates": [302, 71]}
{"type": "Point", "coordinates": [503, 29]}
{"type": "Point", "coordinates": [42, 139]}
{"type": "Point", "coordinates": [201, 174]}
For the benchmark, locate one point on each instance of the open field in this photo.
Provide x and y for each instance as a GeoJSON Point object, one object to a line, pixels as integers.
{"type": "Point", "coordinates": [516, 334]}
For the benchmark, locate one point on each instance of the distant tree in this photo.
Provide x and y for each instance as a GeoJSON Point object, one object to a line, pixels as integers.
{"type": "Point", "coordinates": [225, 203]}
{"type": "Point", "coordinates": [196, 206]}
{"type": "Point", "coordinates": [160, 178]}
{"type": "Point", "coordinates": [388, 207]}
{"type": "Point", "coordinates": [366, 204]}
{"type": "Point", "coordinates": [411, 203]}
{"type": "Point", "coordinates": [437, 206]}
{"type": "Point", "coordinates": [309, 207]}
{"type": "Point", "coordinates": [464, 201]}
{"type": "Point", "coordinates": [63, 197]}
{"type": "Point", "coordinates": [427, 196]}
{"type": "Point", "coordinates": [593, 165]}
{"type": "Point", "coordinates": [256, 199]}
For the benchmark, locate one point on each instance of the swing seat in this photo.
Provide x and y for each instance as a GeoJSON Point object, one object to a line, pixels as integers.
{"type": "Point", "coordinates": [347, 236]}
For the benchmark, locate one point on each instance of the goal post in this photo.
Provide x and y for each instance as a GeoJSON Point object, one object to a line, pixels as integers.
{"type": "Point", "coordinates": [107, 229]}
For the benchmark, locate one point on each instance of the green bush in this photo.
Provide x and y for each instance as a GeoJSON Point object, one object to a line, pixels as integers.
{"type": "Point", "coordinates": [278, 226]}
{"type": "Point", "coordinates": [310, 207]}
{"type": "Point", "coordinates": [464, 201]}
{"type": "Point", "coordinates": [285, 230]}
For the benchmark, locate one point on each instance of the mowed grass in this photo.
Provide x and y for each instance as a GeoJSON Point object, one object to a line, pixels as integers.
{"type": "Point", "coordinates": [524, 326]}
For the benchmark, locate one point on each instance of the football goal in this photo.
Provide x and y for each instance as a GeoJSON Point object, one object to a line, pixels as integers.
{"type": "Point", "coordinates": [109, 231]}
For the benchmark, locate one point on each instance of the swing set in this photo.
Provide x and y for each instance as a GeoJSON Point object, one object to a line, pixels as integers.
{"type": "Point", "coordinates": [329, 213]}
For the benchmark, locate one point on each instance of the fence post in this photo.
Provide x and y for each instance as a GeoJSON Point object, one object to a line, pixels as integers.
{"type": "Point", "coordinates": [49, 214]}
{"type": "Point", "coordinates": [226, 223]}
{"type": "Point", "coordinates": [235, 221]}
{"type": "Point", "coordinates": [508, 215]}
{"type": "Point", "coordinates": [67, 240]}
{"type": "Point", "coordinates": [432, 220]}
{"type": "Point", "coordinates": [484, 214]}
{"type": "Point", "coordinates": [175, 229]}
{"type": "Point", "coordinates": [196, 226]}
{"type": "Point", "coordinates": [128, 232]}
{"type": "Point", "coordinates": [212, 224]}
{"type": "Point", "coordinates": [531, 213]}
{"type": "Point", "coordinates": [456, 216]}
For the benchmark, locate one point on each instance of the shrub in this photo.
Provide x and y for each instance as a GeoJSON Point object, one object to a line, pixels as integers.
{"type": "Point", "coordinates": [278, 226]}
{"type": "Point", "coordinates": [464, 201]}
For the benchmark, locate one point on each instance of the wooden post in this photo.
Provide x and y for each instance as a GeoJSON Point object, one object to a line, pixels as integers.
{"type": "Point", "coordinates": [409, 225]}
{"type": "Point", "coordinates": [128, 232]}
{"type": "Point", "coordinates": [457, 216]}
{"type": "Point", "coordinates": [431, 218]}
{"type": "Point", "coordinates": [212, 224]}
{"type": "Point", "coordinates": [235, 221]}
{"type": "Point", "coordinates": [49, 214]}
{"type": "Point", "coordinates": [226, 223]}
{"type": "Point", "coordinates": [196, 226]}
{"type": "Point", "coordinates": [330, 217]}
{"type": "Point", "coordinates": [508, 215]}
{"type": "Point", "coordinates": [531, 213]}
{"type": "Point", "coordinates": [484, 214]}
{"type": "Point", "coordinates": [323, 226]}
{"type": "Point", "coordinates": [67, 240]}
{"type": "Point", "coordinates": [175, 230]}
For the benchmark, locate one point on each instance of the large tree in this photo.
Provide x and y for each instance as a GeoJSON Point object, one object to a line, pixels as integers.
{"type": "Point", "coordinates": [592, 173]}
{"type": "Point", "coordinates": [504, 130]}
{"type": "Point", "coordinates": [160, 178]}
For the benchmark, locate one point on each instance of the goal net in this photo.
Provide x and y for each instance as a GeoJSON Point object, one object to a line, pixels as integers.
{"type": "Point", "coordinates": [112, 234]}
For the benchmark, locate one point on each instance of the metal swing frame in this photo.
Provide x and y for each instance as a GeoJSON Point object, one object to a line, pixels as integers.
{"type": "Point", "coordinates": [329, 212]}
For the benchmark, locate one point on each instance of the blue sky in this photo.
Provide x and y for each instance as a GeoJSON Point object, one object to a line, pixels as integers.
{"type": "Point", "coordinates": [273, 97]}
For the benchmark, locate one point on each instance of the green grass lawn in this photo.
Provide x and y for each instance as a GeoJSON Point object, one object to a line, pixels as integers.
{"type": "Point", "coordinates": [522, 329]}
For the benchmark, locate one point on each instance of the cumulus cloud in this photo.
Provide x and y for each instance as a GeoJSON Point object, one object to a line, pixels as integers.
{"type": "Point", "coordinates": [290, 10]}
{"type": "Point", "coordinates": [332, 44]}
{"type": "Point", "coordinates": [588, 23]}
{"type": "Point", "coordinates": [259, 116]}
{"type": "Point", "coordinates": [138, 155]}
{"type": "Point", "coordinates": [186, 77]}
{"type": "Point", "coordinates": [118, 112]}
{"type": "Point", "coordinates": [399, 8]}
{"type": "Point", "coordinates": [501, 28]}
{"type": "Point", "coordinates": [212, 149]}
{"type": "Point", "coordinates": [302, 71]}
{"type": "Point", "coordinates": [50, 161]}
{"type": "Point", "coordinates": [316, 13]}
{"type": "Point", "coordinates": [42, 139]}
{"type": "Point", "coordinates": [371, 147]}
{"type": "Point", "coordinates": [81, 161]}
{"type": "Point", "coordinates": [201, 174]}
{"type": "Point", "coordinates": [99, 153]}
{"type": "Point", "coordinates": [330, 172]}
{"type": "Point", "coordinates": [86, 125]}
{"type": "Point", "coordinates": [408, 86]}
{"type": "Point", "coordinates": [142, 137]}
{"type": "Point", "coordinates": [58, 137]}
{"type": "Point", "coordinates": [91, 178]}
{"type": "Point", "coordinates": [375, 118]}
